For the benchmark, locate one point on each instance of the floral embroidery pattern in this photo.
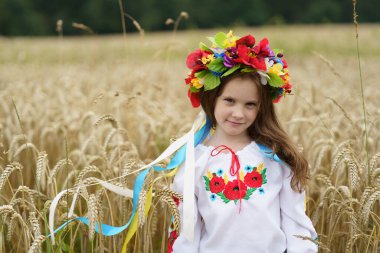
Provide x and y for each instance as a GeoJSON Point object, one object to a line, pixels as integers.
{"type": "Point", "coordinates": [250, 180]}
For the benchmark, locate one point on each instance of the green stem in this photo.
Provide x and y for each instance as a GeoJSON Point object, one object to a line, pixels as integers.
{"type": "Point", "coordinates": [362, 90]}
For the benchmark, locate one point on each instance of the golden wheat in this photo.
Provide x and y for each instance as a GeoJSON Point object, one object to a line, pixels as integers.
{"type": "Point", "coordinates": [115, 123]}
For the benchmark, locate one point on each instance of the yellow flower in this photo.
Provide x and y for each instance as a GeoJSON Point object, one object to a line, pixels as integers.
{"type": "Point", "coordinates": [209, 58]}
{"type": "Point", "coordinates": [260, 167]}
{"type": "Point", "coordinates": [276, 69]}
{"type": "Point", "coordinates": [197, 83]}
{"type": "Point", "coordinates": [286, 76]}
{"type": "Point", "coordinates": [209, 175]}
{"type": "Point", "coordinates": [230, 41]}
{"type": "Point", "coordinates": [225, 177]}
{"type": "Point", "coordinates": [241, 175]}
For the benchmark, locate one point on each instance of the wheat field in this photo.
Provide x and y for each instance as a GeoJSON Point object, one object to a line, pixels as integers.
{"type": "Point", "coordinates": [73, 109]}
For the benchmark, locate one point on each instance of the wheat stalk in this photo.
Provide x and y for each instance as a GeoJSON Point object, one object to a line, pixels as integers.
{"type": "Point", "coordinates": [108, 118]}
{"type": "Point", "coordinates": [367, 207]}
{"type": "Point", "coordinates": [86, 170]}
{"type": "Point", "coordinates": [35, 224]}
{"type": "Point", "coordinates": [11, 226]}
{"type": "Point", "coordinates": [166, 195]}
{"type": "Point", "coordinates": [93, 214]}
{"type": "Point", "coordinates": [36, 245]}
{"type": "Point", "coordinates": [324, 179]}
{"type": "Point", "coordinates": [141, 208]}
{"type": "Point", "coordinates": [373, 161]}
{"type": "Point", "coordinates": [353, 172]}
{"type": "Point", "coordinates": [41, 165]}
{"type": "Point", "coordinates": [24, 147]}
{"type": "Point", "coordinates": [14, 143]}
{"type": "Point", "coordinates": [7, 172]}
{"type": "Point", "coordinates": [59, 165]}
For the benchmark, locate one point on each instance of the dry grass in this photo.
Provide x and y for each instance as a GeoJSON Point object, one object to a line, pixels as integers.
{"type": "Point", "coordinates": [118, 103]}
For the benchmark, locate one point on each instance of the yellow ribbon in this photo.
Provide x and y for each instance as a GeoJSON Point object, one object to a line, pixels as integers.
{"type": "Point", "coordinates": [133, 227]}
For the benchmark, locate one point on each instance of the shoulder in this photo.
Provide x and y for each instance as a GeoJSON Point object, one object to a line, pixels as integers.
{"type": "Point", "coordinates": [269, 158]}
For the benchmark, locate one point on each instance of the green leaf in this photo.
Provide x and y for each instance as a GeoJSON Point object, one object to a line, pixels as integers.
{"type": "Point", "coordinates": [247, 70]}
{"type": "Point", "coordinates": [212, 40]}
{"type": "Point", "coordinates": [231, 70]}
{"type": "Point", "coordinates": [207, 182]}
{"type": "Point", "coordinates": [204, 47]}
{"type": "Point", "coordinates": [263, 171]}
{"type": "Point", "coordinates": [221, 195]}
{"type": "Point", "coordinates": [249, 193]}
{"type": "Point", "coordinates": [275, 80]}
{"type": "Point", "coordinates": [201, 74]}
{"type": "Point", "coordinates": [220, 38]}
{"type": "Point", "coordinates": [211, 81]}
{"type": "Point", "coordinates": [193, 89]}
{"type": "Point", "coordinates": [217, 65]}
{"type": "Point", "coordinates": [277, 50]}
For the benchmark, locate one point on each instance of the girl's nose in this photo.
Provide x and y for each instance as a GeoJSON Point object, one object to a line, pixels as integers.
{"type": "Point", "coordinates": [237, 113]}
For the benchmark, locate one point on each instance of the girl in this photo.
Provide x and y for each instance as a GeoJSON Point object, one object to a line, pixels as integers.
{"type": "Point", "coordinates": [249, 178]}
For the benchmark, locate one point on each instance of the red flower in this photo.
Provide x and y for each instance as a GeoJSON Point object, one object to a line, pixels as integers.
{"type": "Point", "coordinates": [217, 184]}
{"type": "Point", "coordinates": [248, 41]}
{"type": "Point", "coordinates": [285, 64]}
{"type": "Point", "coordinates": [172, 237]}
{"type": "Point", "coordinates": [194, 98]}
{"type": "Point", "coordinates": [248, 57]}
{"type": "Point", "coordinates": [253, 179]}
{"type": "Point", "coordinates": [233, 191]}
{"type": "Point", "coordinates": [262, 49]}
{"type": "Point", "coordinates": [189, 77]}
{"type": "Point", "coordinates": [194, 60]}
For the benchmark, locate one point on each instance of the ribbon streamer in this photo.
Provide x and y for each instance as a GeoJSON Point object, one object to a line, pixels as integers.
{"type": "Point", "coordinates": [184, 148]}
{"type": "Point", "coordinates": [201, 122]}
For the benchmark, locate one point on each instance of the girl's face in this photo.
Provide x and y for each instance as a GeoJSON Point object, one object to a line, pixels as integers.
{"type": "Point", "coordinates": [237, 107]}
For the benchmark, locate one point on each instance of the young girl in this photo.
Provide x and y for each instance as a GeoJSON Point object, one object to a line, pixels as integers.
{"type": "Point", "coordinates": [249, 177]}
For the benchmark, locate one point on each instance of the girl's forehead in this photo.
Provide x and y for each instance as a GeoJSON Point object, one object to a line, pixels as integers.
{"type": "Point", "coordinates": [244, 89]}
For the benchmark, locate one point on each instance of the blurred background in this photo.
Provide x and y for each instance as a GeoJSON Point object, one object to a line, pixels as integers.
{"type": "Point", "coordinates": [38, 17]}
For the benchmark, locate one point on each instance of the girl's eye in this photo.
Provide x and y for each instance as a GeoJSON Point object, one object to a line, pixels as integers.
{"type": "Point", "coordinates": [251, 105]}
{"type": "Point", "coordinates": [229, 100]}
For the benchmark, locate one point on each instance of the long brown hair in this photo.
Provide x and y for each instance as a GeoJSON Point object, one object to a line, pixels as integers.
{"type": "Point", "coordinates": [266, 128]}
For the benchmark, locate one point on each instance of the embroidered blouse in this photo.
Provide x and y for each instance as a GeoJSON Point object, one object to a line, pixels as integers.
{"type": "Point", "coordinates": [252, 211]}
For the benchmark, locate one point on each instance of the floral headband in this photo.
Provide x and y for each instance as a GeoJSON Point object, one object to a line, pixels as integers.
{"type": "Point", "coordinates": [230, 53]}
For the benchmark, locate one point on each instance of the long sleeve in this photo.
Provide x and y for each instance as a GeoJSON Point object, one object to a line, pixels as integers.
{"type": "Point", "coordinates": [178, 243]}
{"type": "Point", "coordinates": [294, 220]}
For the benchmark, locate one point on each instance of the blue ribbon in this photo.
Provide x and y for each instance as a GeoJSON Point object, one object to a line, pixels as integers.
{"type": "Point", "coordinates": [267, 152]}
{"type": "Point", "coordinates": [176, 161]}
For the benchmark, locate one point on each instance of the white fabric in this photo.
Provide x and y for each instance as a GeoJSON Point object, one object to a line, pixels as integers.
{"type": "Point", "coordinates": [268, 220]}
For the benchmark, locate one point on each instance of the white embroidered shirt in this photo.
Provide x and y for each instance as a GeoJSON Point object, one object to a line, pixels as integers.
{"type": "Point", "coordinates": [259, 213]}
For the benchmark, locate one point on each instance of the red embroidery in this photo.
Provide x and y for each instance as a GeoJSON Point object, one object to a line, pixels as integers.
{"type": "Point", "coordinates": [217, 184]}
{"type": "Point", "coordinates": [235, 190]}
{"type": "Point", "coordinates": [253, 179]}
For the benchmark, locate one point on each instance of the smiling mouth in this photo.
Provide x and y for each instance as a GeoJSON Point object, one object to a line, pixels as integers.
{"type": "Point", "coordinates": [235, 123]}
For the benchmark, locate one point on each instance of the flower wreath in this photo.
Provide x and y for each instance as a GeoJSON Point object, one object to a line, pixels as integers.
{"type": "Point", "coordinates": [230, 53]}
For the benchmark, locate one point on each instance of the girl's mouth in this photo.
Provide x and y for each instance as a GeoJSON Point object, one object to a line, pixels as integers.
{"type": "Point", "coordinates": [235, 123]}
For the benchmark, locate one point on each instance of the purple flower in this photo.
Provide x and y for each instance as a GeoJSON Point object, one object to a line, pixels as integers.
{"type": "Point", "coordinates": [228, 62]}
